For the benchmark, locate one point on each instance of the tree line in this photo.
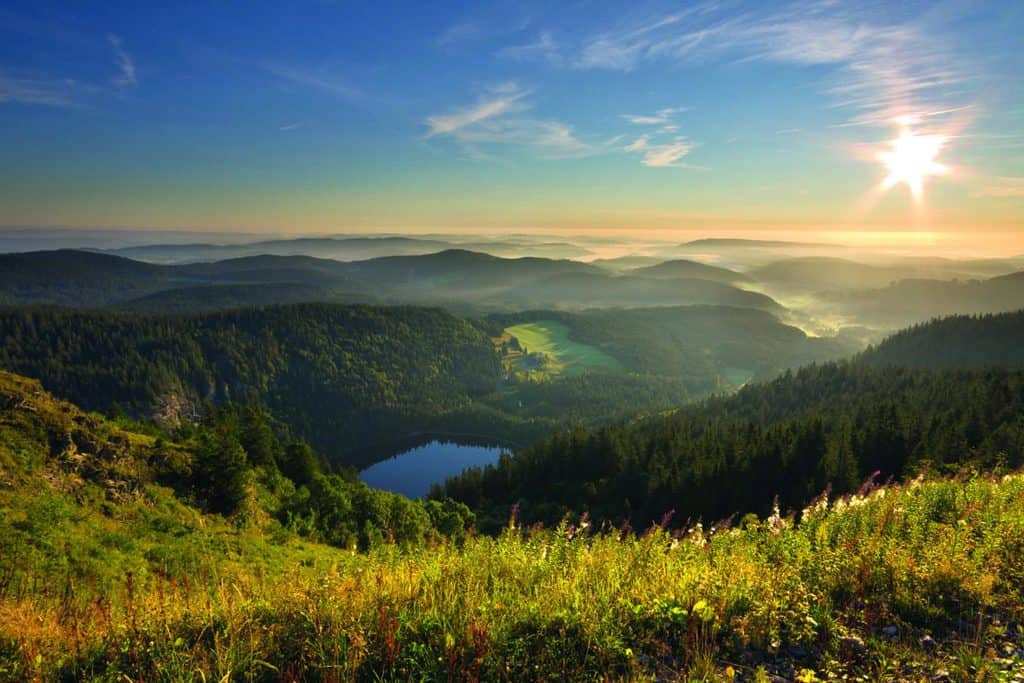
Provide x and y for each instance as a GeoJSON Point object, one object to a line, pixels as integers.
{"type": "Point", "coordinates": [827, 426]}
{"type": "Point", "coordinates": [336, 375]}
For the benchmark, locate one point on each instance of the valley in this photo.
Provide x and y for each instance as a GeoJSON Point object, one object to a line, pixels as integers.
{"type": "Point", "coordinates": [288, 423]}
{"type": "Point", "coordinates": [511, 342]}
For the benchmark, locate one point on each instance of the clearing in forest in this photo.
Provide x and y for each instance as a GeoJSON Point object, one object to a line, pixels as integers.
{"type": "Point", "coordinates": [564, 356]}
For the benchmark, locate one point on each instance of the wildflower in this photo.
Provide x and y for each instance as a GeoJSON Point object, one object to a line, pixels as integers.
{"type": "Point", "coordinates": [817, 506]}
{"type": "Point", "coordinates": [776, 522]}
{"type": "Point", "coordinates": [513, 514]}
{"type": "Point", "coordinates": [696, 535]}
{"type": "Point", "coordinates": [584, 522]}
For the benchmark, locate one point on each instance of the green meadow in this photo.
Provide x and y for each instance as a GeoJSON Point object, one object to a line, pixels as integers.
{"type": "Point", "coordinates": [566, 357]}
{"type": "Point", "coordinates": [892, 585]}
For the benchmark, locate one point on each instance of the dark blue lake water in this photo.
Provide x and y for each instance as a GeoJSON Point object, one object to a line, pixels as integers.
{"type": "Point", "coordinates": [411, 473]}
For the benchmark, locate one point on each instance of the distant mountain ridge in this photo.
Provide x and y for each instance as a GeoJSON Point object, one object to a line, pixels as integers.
{"type": "Point", "coordinates": [685, 268]}
{"type": "Point", "coordinates": [455, 277]}
{"type": "Point", "coordinates": [736, 242]}
{"type": "Point", "coordinates": [343, 248]}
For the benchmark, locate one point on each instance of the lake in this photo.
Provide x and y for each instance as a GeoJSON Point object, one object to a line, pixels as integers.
{"type": "Point", "coordinates": [411, 473]}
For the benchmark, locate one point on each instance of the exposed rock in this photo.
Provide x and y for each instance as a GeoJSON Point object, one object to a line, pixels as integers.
{"type": "Point", "coordinates": [173, 409]}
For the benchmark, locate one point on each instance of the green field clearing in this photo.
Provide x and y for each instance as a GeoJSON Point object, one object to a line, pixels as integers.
{"type": "Point", "coordinates": [567, 357]}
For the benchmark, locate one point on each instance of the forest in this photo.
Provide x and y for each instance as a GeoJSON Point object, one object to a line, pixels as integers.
{"type": "Point", "coordinates": [827, 427]}
{"type": "Point", "coordinates": [339, 376]}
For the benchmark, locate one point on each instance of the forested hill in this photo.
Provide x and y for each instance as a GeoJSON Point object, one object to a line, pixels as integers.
{"type": "Point", "coordinates": [455, 278]}
{"type": "Point", "coordinates": [70, 277]}
{"type": "Point", "coordinates": [338, 375]}
{"type": "Point", "coordinates": [957, 341]}
{"type": "Point", "coordinates": [695, 342]}
{"type": "Point", "coordinates": [830, 425]}
{"type": "Point", "coordinates": [116, 546]}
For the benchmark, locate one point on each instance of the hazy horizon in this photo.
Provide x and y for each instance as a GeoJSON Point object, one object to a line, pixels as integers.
{"type": "Point", "coordinates": [609, 243]}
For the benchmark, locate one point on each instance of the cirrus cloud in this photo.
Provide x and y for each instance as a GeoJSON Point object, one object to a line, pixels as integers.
{"type": "Point", "coordinates": [498, 118]}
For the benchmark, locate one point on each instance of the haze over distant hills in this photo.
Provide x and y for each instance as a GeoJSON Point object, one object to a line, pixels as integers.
{"type": "Point", "coordinates": [448, 277]}
{"type": "Point", "coordinates": [731, 243]}
{"type": "Point", "coordinates": [346, 248]}
{"type": "Point", "coordinates": [683, 268]}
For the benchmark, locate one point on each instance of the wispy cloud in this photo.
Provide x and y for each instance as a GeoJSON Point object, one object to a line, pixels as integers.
{"type": "Point", "coordinates": [502, 99]}
{"type": "Point", "coordinates": [660, 118]}
{"type": "Point", "coordinates": [290, 126]}
{"type": "Point", "coordinates": [662, 154]}
{"type": "Point", "coordinates": [49, 92]}
{"type": "Point", "coordinates": [317, 79]}
{"type": "Point", "coordinates": [638, 145]}
{"type": "Point", "coordinates": [1003, 187]}
{"type": "Point", "coordinates": [660, 147]}
{"type": "Point", "coordinates": [623, 49]}
{"type": "Point", "coordinates": [457, 33]}
{"type": "Point", "coordinates": [126, 76]}
{"type": "Point", "coordinates": [883, 70]}
{"type": "Point", "coordinates": [498, 119]}
{"type": "Point", "coordinates": [543, 49]}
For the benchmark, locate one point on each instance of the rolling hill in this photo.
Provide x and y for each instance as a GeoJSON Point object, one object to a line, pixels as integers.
{"type": "Point", "coordinates": [957, 341]}
{"type": "Point", "coordinates": [600, 290]}
{"type": "Point", "coordinates": [912, 301]}
{"type": "Point", "coordinates": [340, 376]}
{"type": "Point", "coordinates": [735, 243]}
{"type": "Point", "coordinates": [203, 298]}
{"type": "Point", "coordinates": [815, 273]}
{"type": "Point", "coordinates": [834, 277]}
{"type": "Point", "coordinates": [455, 277]}
{"type": "Point", "coordinates": [942, 395]}
{"type": "Point", "coordinates": [105, 542]}
{"type": "Point", "coordinates": [339, 248]}
{"type": "Point", "coordinates": [683, 268]}
{"type": "Point", "coordinates": [349, 248]}
{"type": "Point", "coordinates": [621, 264]}
{"type": "Point", "coordinates": [71, 277]}
{"type": "Point", "coordinates": [708, 347]}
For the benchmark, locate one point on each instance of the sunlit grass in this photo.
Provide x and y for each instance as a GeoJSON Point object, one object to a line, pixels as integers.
{"type": "Point", "coordinates": [565, 356]}
{"type": "Point", "coordinates": [222, 602]}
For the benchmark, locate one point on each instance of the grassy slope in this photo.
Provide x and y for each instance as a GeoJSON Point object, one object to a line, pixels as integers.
{"type": "Point", "coordinates": [567, 357]}
{"type": "Point", "coordinates": [105, 575]}
{"type": "Point", "coordinates": [563, 606]}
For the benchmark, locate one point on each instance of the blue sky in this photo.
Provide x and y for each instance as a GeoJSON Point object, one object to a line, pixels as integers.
{"type": "Point", "coordinates": [360, 116]}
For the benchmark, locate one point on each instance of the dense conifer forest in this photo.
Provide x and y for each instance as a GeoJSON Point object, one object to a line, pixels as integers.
{"type": "Point", "coordinates": [829, 426]}
{"type": "Point", "coordinates": [339, 376]}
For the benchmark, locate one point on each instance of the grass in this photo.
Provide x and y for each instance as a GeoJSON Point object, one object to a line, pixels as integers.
{"type": "Point", "coordinates": [560, 604]}
{"type": "Point", "coordinates": [107, 576]}
{"type": "Point", "coordinates": [566, 357]}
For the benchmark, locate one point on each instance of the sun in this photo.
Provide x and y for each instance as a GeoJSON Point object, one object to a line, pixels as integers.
{"type": "Point", "coordinates": [910, 159]}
